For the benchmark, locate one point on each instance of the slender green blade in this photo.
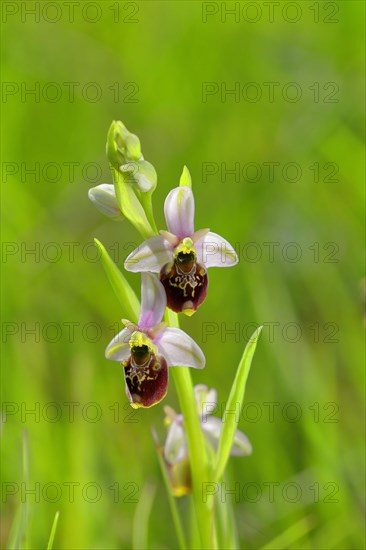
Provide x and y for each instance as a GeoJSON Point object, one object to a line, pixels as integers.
{"type": "Point", "coordinates": [291, 535]}
{"type": "Point", "coordinates": [236, 397]}
{"type": "Point", "coordinates": [53, 531]}
{"type": "Point", "coordinates": [124, 292]}
{"type": "Point", "coordinates": [141, 517]}
{"type": "Point", "coordinates": [171, 499]}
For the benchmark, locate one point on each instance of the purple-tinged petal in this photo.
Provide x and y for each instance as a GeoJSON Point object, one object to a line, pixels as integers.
{"type": "Point", "coordinates": [212, 427]}
{"type": "Point", "coordinates": [179, 212]}
{"type": "Point", "coordinates": [198, 235]}
{"type": "Point", "coordinates": [118, 348]}
{"type": "Point", "coordinates": [172, 239]}
{"type": "Point", "coordinates": [151, 256]}
{"type": "Point", "coordinates": [153, 301]}
{"type": "Point", "coordinates": [215, 251]}
{"type": "Point", "coordinates": [179, 349]}
{"type": "Point", "coordinates": [241, 445]}
{"type": "Point", "coordinates": [175, 448]}
{"type": "Point", "coordinates": [146, 386]}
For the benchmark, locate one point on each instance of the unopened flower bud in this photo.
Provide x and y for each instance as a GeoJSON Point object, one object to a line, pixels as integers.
{"type": "Point", "coordinates": [104, 198]}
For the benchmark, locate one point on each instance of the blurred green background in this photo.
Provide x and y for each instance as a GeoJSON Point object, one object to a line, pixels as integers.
{"type": "Point", "coordinates": [148, 64]}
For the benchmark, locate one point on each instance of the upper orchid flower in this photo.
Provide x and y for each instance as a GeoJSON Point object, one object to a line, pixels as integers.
{"type": "Point", "coordinates": [147, 349]}
{"type": "Point", "coordinates": [181, 254]}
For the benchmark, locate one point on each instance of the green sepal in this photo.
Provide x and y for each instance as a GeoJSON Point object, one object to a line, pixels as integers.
{"type": "Point", "coordinates": [140, 173]}
{"type": "Point", "coordinates": [236, 397]}
{"type": "Point", "coordinates": [130, 205]}
{"type": "Point", "coordinates": [185, 178]}
{"type": "Point", "coordinates": [124, 292]}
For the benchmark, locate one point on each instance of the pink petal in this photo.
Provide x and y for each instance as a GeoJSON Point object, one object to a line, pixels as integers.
{"type": "Point", "coordinates": [179, 349]}
{"type": "Point", "coordinates": [153, 301]}
{"type": "Point", "coordinates": [179, 212]}
{"type": "Point", "coordinates": [215, 251]}
{"type": "Point", "coordinates": [150, 256]}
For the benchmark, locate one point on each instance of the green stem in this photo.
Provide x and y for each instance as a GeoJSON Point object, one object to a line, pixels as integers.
{"type": "Point", "coordinates": [146, 201]}
{"type": "Point", "coordinates": [172, 504]}
{"type": "Point", "coordinates": [196, 445]}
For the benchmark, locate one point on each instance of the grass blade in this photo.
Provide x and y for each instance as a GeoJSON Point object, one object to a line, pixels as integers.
{"type": "Point", "coordinates": [53, 531]}
{"type": "Point", "coordinates": [236, 396]}
{"type": "Point", "coordinates": [122, 289]}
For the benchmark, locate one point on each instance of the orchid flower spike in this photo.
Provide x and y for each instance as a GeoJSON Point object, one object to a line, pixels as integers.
{"type": "Point", "coordinates": [175, 448]}
{"type": "Point", "coordinates": [147, 349]}
{"type": "Point", "coordinates": [182, 255]}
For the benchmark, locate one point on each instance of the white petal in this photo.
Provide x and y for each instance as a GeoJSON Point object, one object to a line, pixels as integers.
{"type": "Point", "coordinates": [241, 445]}
{"type": "Point", "coordinates": [175, 448]}
{"type": "Point", "coordinates": [104, 198]}
{"type": "Point", "coordinates": [214, 251]}
{"type": "Point", "coordinates": [206, 399]}
{"type": "Point", "coordinates": [151, 256]}
{"type": "Point", "coordinates": [179, 349]}
{"type": "Point", "coordinates": [153, 301]}
{"type": "Point", "coordinates": [118, 348]}
{"type": "Point", "coordinates": [212, 427]}
{"type": "Point", "coordinates": [179, 212]}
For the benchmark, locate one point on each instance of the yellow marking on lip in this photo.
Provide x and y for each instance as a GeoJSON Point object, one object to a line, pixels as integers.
{"type": "Point", "coordinates": [186, 246]}
{"type": "Point", "coordinates": [139, 339]}
{"type": "Point", "coordinates": [189, 312]}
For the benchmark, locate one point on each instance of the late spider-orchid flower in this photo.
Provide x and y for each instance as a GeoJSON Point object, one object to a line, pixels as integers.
{"type": "Point", "coordinates": [182, 255]}
{"type": "Point", "coordinates": [147, 349]}
{"type": "Point", "coordinates": [175, 448]}
{"type": "Point", "coordinates": [175, 451]}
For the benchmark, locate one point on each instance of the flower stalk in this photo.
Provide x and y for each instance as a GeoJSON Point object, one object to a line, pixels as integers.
{"type": "Point", "coordinates": [196, 445]}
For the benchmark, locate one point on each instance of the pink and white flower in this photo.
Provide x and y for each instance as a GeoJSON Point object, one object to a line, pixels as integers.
{"type": "Point", "coordinates": [175, 448]}
{"type": "Point", "coordinates": [147, 349]}
{"type": "Point", "coordinates": [182, 255]}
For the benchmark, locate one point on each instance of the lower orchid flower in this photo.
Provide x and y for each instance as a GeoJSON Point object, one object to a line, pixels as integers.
{"type": "Point", "coordinates": [175, 448]}
{"type": "Point", "coordinates": [147, 349]}
{"type": "Point", "coordinates": [181, 255]}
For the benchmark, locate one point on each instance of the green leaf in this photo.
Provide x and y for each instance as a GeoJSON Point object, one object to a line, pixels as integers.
{"type": "Point", "coordinates": [185, 178]}
{"type": "Point", "coordinates": [230, 420]}
{"type": "Point", "coordinates": [124, 293]}
{"type": "Point", "coordinates": [53, 531]}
